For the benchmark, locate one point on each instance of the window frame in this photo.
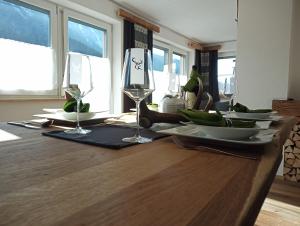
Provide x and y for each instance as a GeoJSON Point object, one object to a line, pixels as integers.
{"type": "Point", "coordinates": [172, 49]}
{"type": "Point", "coordinates": [166, 51]}
{"type": "Point", "coordinates": [59, 44]}
{"type": "Point", "coordinates": [107, 50]}
{"type": "Point", "coordinates": [52, 8]}
{"type": "Point", "coordinates": [88, 20]}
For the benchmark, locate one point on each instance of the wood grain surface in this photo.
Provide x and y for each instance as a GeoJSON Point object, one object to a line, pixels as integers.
{"type": "Point", "coordinates": [287, 107]}
{"type": "Point", "coordinates": [47, 181]}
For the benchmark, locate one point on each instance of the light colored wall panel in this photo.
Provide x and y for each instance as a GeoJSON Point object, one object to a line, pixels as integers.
{"type": "Point", "coordinates": [263, 51]}
{"type": "Point", "coordinates": [294, 76]}
{"type": "Point", "coordinates": [24, 109]}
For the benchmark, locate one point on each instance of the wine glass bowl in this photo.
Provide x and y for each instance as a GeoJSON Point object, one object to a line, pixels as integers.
{"type": "Point", "coordinates": [78, 83]}
{"type": "Point", "coordinates": [137, 83]}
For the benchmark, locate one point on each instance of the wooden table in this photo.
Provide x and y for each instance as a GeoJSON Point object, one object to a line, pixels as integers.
{"type": "Point", "coordinates": [47, 181]}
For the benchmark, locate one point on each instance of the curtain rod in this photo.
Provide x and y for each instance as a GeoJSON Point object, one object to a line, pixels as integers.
{"type": "Point", "coordinates": [196, 45]}
{"type": "Point", "coordinates": [137, 20]}
{"type": "Point", "coordinates": [214, 47]}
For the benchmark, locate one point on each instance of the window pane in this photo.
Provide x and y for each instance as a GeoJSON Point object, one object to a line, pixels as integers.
{"type": "Point", "coordinates": [177, 59]}
{"type": "Point", "coordinates": [161, 75]}
{"type": "Point", "coordinates": [179, 69]}
{"type": "Point", "coordinates": [24, 23]}
{"type": "Point", "coordinates": [26, 55]}
{"type": "Point", "coordinates": [88, 39]}
{"type": "Point", "coordinates": [160, 59]}
{"type": "Point", "coordinates": [85, 38]}
{"type": "Point", "coordinates": [226, 75]}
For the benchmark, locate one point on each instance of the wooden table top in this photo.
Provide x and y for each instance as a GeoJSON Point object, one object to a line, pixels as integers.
{"type": "Point", "coordinates": [48, 181]}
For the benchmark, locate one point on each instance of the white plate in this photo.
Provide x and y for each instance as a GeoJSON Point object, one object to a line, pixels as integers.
{"type": "Point", "coordinates": [231, 133]}
{"type": "Point", "coordinates": [72, 117]}
{"type": "Point", "coordinates": [192, 131]}
{"type": "Point", "coordinates": [53, 110]}
{"type": "Point", "coordinates": [258, 124]}
{"type": "Point", "coordinates": [253, 116]}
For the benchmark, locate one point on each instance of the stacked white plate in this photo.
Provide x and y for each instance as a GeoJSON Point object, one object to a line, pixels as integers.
{"type": "Point", "coordinates": [272, 116]}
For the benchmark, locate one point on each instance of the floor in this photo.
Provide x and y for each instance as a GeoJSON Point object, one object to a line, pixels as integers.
{"type": "Point", "coordinates": [282, 205]}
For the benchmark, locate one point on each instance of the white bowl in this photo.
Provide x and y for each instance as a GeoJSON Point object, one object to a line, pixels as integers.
{"type": "Point", "coordinates": [82, 116]}
{"type": "Point", "coordinates": [230, 133]}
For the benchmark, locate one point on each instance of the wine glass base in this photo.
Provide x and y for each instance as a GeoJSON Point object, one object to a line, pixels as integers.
{"type": "Point", "coordinates": [137, 139]}
{"type": "Point", "coordinates": [78, 131]}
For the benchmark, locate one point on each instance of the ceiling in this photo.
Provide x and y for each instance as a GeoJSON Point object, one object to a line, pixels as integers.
{"type": "Point", "coordinates": [206, 21]}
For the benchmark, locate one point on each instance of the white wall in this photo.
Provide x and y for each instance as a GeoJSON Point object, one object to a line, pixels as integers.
{"type": "Point", "coordinates": [24, 109]}
{"type": "Point", "coordinates": [294, 76]}
{"type": "Point", "coordinates": [106, 11]}
{"type": "Point", "coordinates": [168, 36]}
{"type": "Point", "coordinates": [263, 50]}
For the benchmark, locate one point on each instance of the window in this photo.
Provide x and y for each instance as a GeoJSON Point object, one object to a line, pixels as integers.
{"type": "Point", "coordinates": [26, 48]}
{"type": "Point", "coordinates": [169, 65]}
{"type": "Point", "coordinates": [89, 36]}
{"type": "Point", "coordinates": [31, 54]}
{"type": "Point", "coordinates": [226, 75]}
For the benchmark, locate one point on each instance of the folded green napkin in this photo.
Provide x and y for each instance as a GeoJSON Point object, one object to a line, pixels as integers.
{"type": "Point", "coordinates": [214, 119]}
{"type": "Point", "coordinates": [242, 108]}
{"type": "Point", "coordinates": [71, 106]}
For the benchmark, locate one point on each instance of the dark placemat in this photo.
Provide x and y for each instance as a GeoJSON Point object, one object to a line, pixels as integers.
{"type": "Point", "coordinates": [108, 136]}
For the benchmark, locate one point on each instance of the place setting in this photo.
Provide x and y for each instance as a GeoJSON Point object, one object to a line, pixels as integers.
{"type": "Point", "coordinates": [239, 127]}
{"type": "Point", "coordinates": [137, 83]}
{"type": "Point", "coordinates": [215, 128]}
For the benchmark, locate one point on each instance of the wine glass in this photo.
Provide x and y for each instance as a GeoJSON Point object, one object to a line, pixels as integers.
{"type": "Point", "coordinates": [78, 82]}
{"type": "Point", "coordinates": [234, 91]}
{"type": "Point", "coordinates": [174, 84]}
{"type": "Point", "coordinates": [137, 83]}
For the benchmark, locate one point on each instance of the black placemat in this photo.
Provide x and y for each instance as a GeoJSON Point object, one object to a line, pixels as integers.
{"type": "Point", "coordinates": [109, 136]}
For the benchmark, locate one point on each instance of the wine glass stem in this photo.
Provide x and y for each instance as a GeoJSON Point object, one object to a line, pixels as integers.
{"type": "Point", "coordinates": [137, 118]}
{"type": "Point", "coordinates": [77, 115]}
{"type": "Point", "coordinates": [230, 104]}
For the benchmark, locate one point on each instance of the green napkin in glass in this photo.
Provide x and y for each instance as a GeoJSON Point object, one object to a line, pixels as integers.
{"type": "Point", "coordinates": [214, 119]}
{"type": "Point", "coordinates": [242, 108]}
{"type": "Point", "coordinates": [71, 106]}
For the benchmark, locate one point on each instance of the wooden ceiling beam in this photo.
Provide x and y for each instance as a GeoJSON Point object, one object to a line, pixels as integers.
{"type": "Point", "coordinates": [137, 20]}
{"type": "Point", "coordinates": [195, 45]}
{"type": "Point", "coordinates": [214, 47]}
